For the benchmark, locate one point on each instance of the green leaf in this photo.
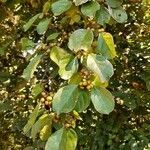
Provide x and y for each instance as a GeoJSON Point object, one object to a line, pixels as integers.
{"type": "Point", "coordinates": [119, 14]}
{"type": "Point", "coordinates": [102, 100]}
{"type": "Point", "coordinates": [67, 64]}
{"type": "Point", "coordinates": [80, 2]}
{"type": "Point", "coordinates": [114, 3]}
{"type": "Point", "coordinates": [45, 132]}
{"type": "Point", "coordinates": [43, 26]}
{"type": "Point", "coordinates": [46, 7]}
{"type": "Point", "coordinates": [89, 9]}
{"type": "Point", "coordinates": [63, 139]}
{"type": "Point", "coordinates": [29, 70]}
{"type": "Point", "coordinates": [37, 90]}
{"type": "Point", "coordinates": [27, 44]}
{"type": "Point", "coordinates": [42, 121]}
{"type": "Point", "coordinates": [32, 119]}
{"type": "Point", "coordinates": [106, 45]}
{"type": "Point", "coordinates": [65, 99]}
{"type": "Point", "coordinates": [100, 66]}
{"type": "Point", "coordinates": [60, 6]}
{"type": "Point", "coordinates": [80, 39]}
{"type": "Point", "coordinates": [102, 16]}
{"type": "Point", "coordinates": [75, 79]}
{"type": "Point", "coordinates": [67, 71]}
{"type": "Point", "coordinates": [52, 36]}
{"type": "Point", "coordinates": [57, 54]}
{"type": "Point", "coordinates": [83, 101]}
{"type": "Point", "coordinates": [30, 22]}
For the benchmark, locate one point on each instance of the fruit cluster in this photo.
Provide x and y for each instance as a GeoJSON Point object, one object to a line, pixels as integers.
{"type": "Point", "coordinates": [81, 53]}
{"type": "Point", "coordinates": [86, 83]}
{"type": "Point", "coordinates": [46, 100]}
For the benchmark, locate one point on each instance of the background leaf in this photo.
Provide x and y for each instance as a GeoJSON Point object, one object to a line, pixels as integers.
{"type": "Point", "coordinates": [89, 9]}
{"type": "Point", "coordinates": [29, 70]}
{"type": "Point", "coordinates": [80, 2]}
{"type": "Point", "coordinates": [119, 14]}
{"type": "Point", "coordinates": [114, 3]}
{"type": "Point", "coordinates": [60, 7]}
{"type": "Point", "coordinates": [31, 121]}
{"type": "Point", "coordinates": [30, 22]}
{"type": "Point", "coordinates": [27, 44]}
{"type": "Point", "coordinates": [43, 26]}
{"type": "Point", "coordinates": [102, 16]}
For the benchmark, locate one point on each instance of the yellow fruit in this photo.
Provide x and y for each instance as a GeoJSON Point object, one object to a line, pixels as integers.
{"type": "Point", "coordinates": [49, 98]}
{"type": "Point", "coordinates": [42, 100]}
{"type": "Point", "coordinates": [43, 94]}
{"type": "Point", "coordinates": [47, 103]}
{"type": "Point", "coordinates": [84, 83]}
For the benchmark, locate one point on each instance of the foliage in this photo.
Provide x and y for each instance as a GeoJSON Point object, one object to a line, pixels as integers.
{"type": "Point", "coordinates": [56, 61]}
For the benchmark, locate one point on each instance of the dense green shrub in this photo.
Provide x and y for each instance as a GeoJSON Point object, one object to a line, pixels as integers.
{"type": "Point", "coordinates": [58, 86]}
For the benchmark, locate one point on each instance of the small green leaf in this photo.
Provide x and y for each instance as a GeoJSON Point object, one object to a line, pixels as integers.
{"type": "Point", "coordinates": [100, 66]}
{"type": "Point", "coordinates": [52, 36]}
{"type": "Point", "coordinates": [36, 90]}
{"type": "Point", "coordinates": [43, 26]}
{"type": "Point", "coordinates": [42, 121]}
{"type": "Point", "coordinates": [102, 16]}
{"type": "Point", "coordinates": [30, 22]}
{"type": "Point", "coordinates": [80, 2]}
{"type": "Point", "coordinates": [119, 14]}
{"type": "Point", "coordinates": [80, 39]}
{"type": "Point", "coordinates": [106, 45]}
{"type": "Point", "coordinates": [83, 101]}
{"type": "Point", "coordinates": [102, 100]}
{"type": "Point", "coordinates": [60, 6]}
{"type": "Point", "coordinates": [63, 139]}
{"type": "Point", "coordinates": [45, 132]}
{"type": "Point", "coordinates": [114, 3]}
{"type": "Point", "coordinates": [32, 119]}
{"type": "Point", "coordinates": [29, 70]}
{"type": "Point", "coordinates": [89, 9]}
{"type": "Point", "coordinates": [65, 99]}
{"type": "Point", "coordinates": [27, 44]}
{"type": "Point", "coordinates": [46, 7]}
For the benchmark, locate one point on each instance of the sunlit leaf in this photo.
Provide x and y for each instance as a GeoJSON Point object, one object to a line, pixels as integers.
{"type": "Point", "coordinates": [100, 66]}
{"type": "Point", "coordinates": [102, 100]}
{"type": "Point", "coordinates": [106, 45]}
{"type": "Point", "coordinates": [80, 39]}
